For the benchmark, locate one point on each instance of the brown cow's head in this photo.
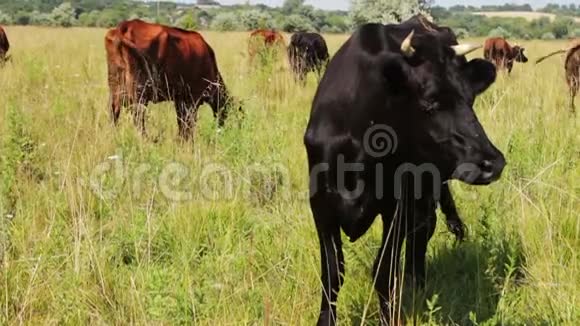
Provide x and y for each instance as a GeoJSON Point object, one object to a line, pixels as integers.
{"type": "Point", "coordinates": [518, 54]}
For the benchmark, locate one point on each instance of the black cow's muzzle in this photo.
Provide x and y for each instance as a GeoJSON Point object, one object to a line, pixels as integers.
{"type": "Point", "coordinates": [482, 173]}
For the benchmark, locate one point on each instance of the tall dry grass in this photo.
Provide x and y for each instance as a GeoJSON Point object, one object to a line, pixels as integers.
{"type": "Point", "coordinates": [101, 226]}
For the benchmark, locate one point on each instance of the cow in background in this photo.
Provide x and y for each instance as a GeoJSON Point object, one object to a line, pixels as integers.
{"type": "Point", "coordinates": [156, 63]}
{"type": "Point", "coordinates": [571, 67]}
{"type": "Point", "coordinates": [266, 43]}
{"type": "Point", "coordinates": [307, 52]}
{"type": "Point", "coordinates": [502, 54]}
{"type": "Point", "coordinates": [4, 46]}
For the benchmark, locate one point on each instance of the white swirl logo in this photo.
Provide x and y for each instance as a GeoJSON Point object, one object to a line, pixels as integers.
{"type": "Point", "coordinates": [380, 140]}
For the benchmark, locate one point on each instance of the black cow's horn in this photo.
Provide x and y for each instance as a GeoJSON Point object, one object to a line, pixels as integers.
{"type": "Point", "coordinates": [406, 47]}
{"type": "Point", "coordinates": [463, 49]}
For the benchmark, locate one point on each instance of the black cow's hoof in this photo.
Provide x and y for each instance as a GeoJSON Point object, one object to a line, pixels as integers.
{"type": "Point", "coordinates": [326, 319]}
{"type": "Point", "coordinates": [457, 227]}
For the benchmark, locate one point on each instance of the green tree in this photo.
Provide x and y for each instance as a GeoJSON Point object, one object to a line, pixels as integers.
{"type": "Point", "coordinates": [22, 18]}
{"type": "Point", "coordinates": [89, 19]}
{"type": "Point", "coordinates": [5, 19]}
{"type": "Point", "coordinates": [461, 33]}
{"type": "Point", "coordinates": [227, 21]}
{"type": "Point", "coordinates": [188, 21]}
{"type": "Point", "coordinates": [109, 18]}
{"type": "Point", "coordinates": [499, 32]}
{"type": "Point", "coordinates": [292, 6]}
{"type": "Point", "coordinates": [561, 26]}
{"type": "Point", "coordinates": [296, 23]}
{"type": "Point", "coordinates": [40, 18]}
{"type": "Point", "coordinates": [337, 24]}
{"type": "Point", "coordinates": [205, 18]}
{"type": "Point", "coordinates": [386, 11]}
{"type": "Point", "coordinates": [548, 36]}
{"type": "Point", "coordinates": [63, 15]}
{"type": "Point", "coordinates": [254, 19]}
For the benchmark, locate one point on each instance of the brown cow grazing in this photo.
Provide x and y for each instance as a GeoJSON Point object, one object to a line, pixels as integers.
{"type": "Point", "coordinates": [503, 55]}
{"type": "Point", "coordinates": [572, 67]}
{"type": "Point", "coordinates": [156, 63]}
{"type": "Point", "coordinates": [4, 46]}
{"type": "Point", "coordinates": [263, 40]}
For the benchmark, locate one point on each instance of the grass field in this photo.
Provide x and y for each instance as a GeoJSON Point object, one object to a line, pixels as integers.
{"type": "Point", "coordinates": [101, 226]}
{"type": "Point", "coordinates": [528, 15]}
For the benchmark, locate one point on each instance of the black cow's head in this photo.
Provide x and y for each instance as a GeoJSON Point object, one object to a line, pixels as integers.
{"type": "Point", "coordinates": [518, 54]}
{"type": "Point", "coordinates": [438, 87]}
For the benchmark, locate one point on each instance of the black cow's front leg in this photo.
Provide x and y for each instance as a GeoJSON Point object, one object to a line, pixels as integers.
{"type": "Point", "coordinates": [386, 267]}
{"type": "Point", "coordinates": [420, 228]}
{"type": "Point", "coordinates": [332, 267]}
{"type": "Point", "coordinates": [454, 223]}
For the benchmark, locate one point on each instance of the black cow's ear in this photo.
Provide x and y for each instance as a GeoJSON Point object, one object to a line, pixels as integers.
{"type": "Point", "coordinates": [480, 74]}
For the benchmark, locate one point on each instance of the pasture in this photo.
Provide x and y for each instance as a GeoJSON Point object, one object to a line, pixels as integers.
{"type": "Point", "coordinates": [528, 15]}
{"type": "Point", "coordinates": [101, 226]}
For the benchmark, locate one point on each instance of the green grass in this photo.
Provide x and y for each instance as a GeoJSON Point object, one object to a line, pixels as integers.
{"type": "Point", "coordinates": [528, 15]}
{"type": "Point", "coordinates": [130, 254]}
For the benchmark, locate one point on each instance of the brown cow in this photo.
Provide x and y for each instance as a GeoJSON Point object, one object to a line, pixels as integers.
{"type": "Point", "coordinates": [498, 51]}
{"type": "Point", "coordinates": [572, 68]}
{"type": "Point", "coordinates": [265, 39]}
{"type": "Point", "coordinates": [4, 46]}
{"type": "Point", "coordinates": [156, 63]}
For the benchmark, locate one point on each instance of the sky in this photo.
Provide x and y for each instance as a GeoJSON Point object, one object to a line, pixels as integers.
{"type": "Point", "coordinates": [344, 4]}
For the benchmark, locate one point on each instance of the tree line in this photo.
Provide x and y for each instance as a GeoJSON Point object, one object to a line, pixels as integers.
{"type": "Point", "coordinates": [292, 16]}
{"type": "Point", "coordinates": [466, 22]}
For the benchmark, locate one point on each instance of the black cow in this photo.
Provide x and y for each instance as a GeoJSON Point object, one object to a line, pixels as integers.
{"type": "Point", "coordinates": [411, 85]}
{"type": "Point", "coordinates": [307, 52]}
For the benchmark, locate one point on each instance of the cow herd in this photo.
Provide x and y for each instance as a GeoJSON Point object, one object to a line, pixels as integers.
{"type": "Point", "coordinates": [411, 80]}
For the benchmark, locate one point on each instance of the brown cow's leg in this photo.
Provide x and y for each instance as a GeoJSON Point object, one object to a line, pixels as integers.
{"type": "Point", "coordinates": [116, 87]}
{"type": "Point", "coordinates": [574, 85]}
{"type": "Point", "coordinates": [114, 106]}
{"type": "Point", "coordinates": [219, 111]}
{"type": "Point", "coordinates": [572, 97]}
{"type": "Point", "coordinates": [181, 113]}
{"type": "Point", "coordinates": [139, 111]}
{"type": "Point", "coordinates": [219, 102]}
{"type": "Point", "coordinates": [186, 119]}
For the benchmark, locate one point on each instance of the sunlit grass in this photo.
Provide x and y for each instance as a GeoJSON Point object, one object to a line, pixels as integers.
{"type": "Point", "coordinates": [249, 254]}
